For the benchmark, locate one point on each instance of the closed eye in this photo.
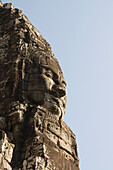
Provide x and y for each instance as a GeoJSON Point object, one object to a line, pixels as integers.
{"type": "Point", "coordinates": [48, 74]}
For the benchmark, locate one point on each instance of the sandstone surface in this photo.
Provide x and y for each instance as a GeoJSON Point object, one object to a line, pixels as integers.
{"type": "Point", "coordinates": [33, 134]}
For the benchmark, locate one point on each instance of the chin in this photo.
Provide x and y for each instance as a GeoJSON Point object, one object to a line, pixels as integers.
{"type": "Point", "coordinates": [56, 110]}
{"type": "Point", "coordinates": [52, 108]}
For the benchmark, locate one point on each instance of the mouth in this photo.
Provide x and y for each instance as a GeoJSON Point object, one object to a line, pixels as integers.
{"type": "Point", "coordinates": [58, 101]}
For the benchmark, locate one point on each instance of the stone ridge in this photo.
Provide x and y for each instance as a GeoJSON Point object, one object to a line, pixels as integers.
{"type": "Point", "coordinates": [33, 134]}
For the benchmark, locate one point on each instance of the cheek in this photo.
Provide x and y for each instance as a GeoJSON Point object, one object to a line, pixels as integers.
{"type": "Point", "coordinates": [48, 82]}
{"type": "Point", "coordinates": [39, 83]}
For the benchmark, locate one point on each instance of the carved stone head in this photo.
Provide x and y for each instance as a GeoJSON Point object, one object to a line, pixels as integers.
{"type": "Point", "coordinates": [43, 85]}
{"type": "Point", "coordinates": [30, 73]}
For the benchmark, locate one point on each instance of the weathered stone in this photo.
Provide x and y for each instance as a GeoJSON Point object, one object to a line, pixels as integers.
{"type": "Point", "coordinates": [5, 165]}
{"type": "Point", "coordinates": [32, 100]}
{"type": "Point", "coordinates": [6, 151]}
{"type": "Point", "coordinates": [2, 123]}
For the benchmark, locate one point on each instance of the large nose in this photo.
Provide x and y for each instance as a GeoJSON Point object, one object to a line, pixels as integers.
{"type": "Point", "coordinates": [59, 90]}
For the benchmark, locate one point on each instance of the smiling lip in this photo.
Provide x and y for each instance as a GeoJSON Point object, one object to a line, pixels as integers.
{"type": "Point", "coordinates": [57, 101]}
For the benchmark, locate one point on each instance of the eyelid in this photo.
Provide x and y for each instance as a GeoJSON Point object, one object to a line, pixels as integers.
{"type": "Point", "coordinates": [49, 74]}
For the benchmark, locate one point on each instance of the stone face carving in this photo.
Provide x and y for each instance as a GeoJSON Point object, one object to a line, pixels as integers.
{"type": "Point", "coordinates": [32, 99]}
{"type": "Point", "coordinates": [43, 84]}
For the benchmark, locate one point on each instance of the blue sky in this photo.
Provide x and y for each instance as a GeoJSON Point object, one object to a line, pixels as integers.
{"type": "Point", "coordinates": [81, 35]}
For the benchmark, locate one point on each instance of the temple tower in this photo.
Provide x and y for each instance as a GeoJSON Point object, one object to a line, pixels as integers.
{"type": "Point", "coordinates": [33, 135]}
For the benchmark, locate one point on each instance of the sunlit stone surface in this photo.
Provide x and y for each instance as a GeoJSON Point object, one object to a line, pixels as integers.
{"type": "Point", "coordinates": [32, 100]}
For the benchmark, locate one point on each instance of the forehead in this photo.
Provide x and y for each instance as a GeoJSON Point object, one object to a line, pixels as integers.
{"type": "Point", "coordinates": [50, 63]}
{"type": "Point", "coordinates": [46, 63]}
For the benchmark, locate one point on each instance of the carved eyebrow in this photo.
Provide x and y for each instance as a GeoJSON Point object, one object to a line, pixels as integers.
{"type": "Point", "coordinates": [48, 70]}
{"type": "Point", "coordinates": [55, 76]}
